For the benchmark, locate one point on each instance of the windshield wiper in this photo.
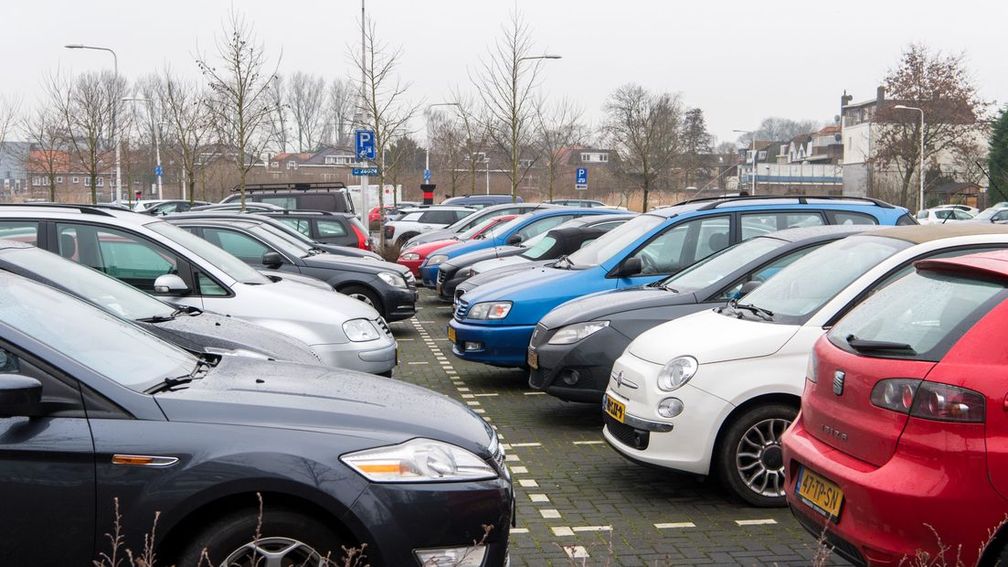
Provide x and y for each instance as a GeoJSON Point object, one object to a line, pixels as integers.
{"type": "Point", "coordinates": [163, 318]}
{"type": "Point", "coordinates": [563, 259]}
{"type": "Point", "coordinates": [735, 306]}
{"type": "Point", "coordinates": [867, 345]}
{"type": "Point", "coordinates": [666, 286]}
{"type": "Point", "coordinates": [170, 383]}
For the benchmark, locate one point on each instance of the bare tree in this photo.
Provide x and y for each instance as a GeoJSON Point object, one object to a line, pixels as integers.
{"type": "Point", "coordinates": [644, 129]}
{"type": "Point", "coordinates": [383, 103]}
{"type": "Point", "coordinates": [186, 118]}
{"type": "Point", "coordinates": [506, 80]}
{"type": "Point", "coordinates": [445, 141]}
{"type": "Point", "coordinates": [342, 103]}
{"type": "Point", "coordinates": [557, 126]}
{"type": "Point", "coordinates": [278, 112]}
{"type": "Point", "coordinates": [240, 104]}
{"type": "Point", "coordinates": [45, 129]}
{"type": "Point", "coordinates": [8, 117]}
{"type": "Point", "coordinates": [953, 114]}
{"type": "Point", "coordinates": [776, 128]}
{"type": "Point", "coordinates": [306, 97]}
{"type": "Point", "coordinates": [472, 127]}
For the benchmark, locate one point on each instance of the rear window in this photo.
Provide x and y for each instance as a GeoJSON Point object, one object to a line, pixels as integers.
{"type": "Point", "coordinates": [925, 312]}
{"type": "Point", "coordinates": [319, 202]}
{"type": "Point", "coordinates": [442, 216]}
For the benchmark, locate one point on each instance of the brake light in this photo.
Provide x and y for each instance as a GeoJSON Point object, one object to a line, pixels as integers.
{"type": "Point", "coordinates": [929, 400]}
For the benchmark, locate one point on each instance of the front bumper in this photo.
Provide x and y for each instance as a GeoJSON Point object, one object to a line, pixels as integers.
{"type": "Point", "coordinates": [446, 284]}
{"type": "Point", "coordinates": [888, 512]}
{"type": "Point", "coordinates": [377, 357]}
{"type": "Point", "coordinates": [400, 303]}
{"type": "Point", "coordinates": [577, 372]}
{"type": "Point", "coordinates": [500, 345]}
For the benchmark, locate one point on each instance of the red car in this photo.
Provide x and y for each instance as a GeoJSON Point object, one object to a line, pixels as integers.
{"type": "Point", "coordinates": [902, 437]}
{"type": "Point", "coordinates": [417, 254]}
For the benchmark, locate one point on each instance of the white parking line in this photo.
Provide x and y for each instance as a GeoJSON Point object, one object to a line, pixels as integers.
{"type": "Point", "coordinates": [473, 403]}
{"type": "Point", "coordinates": [511, 457]}
{"type": "Point", "coordinates": [526, 444]}
{"type": "Point", "coordinates": [562, 531]}
{"type": "Point", "coordinates": [528, 483]}
{"type": "Point", "coordinates": [539, 498]}
{"type": "Point", "coordinates": [519, 531]}
{"type": "Point", "coordinates": [592, 529]}
{"type": "Point", "coordinates": [468, 396]}
{"type": "Point", "coordinates": [463, 389]}
{"type": "Point", "coordinates": [518, 470]}
{"type": "Point", "coordinates": [418, 362]}
{"type": "Point", "coordinates": [675, 525]}
{"type": "Point", "coordinates": [486, 395]}
{"type": "Point", "coordinates": [576, 552]}
{"type": "Point", "coordinates": [597, 442]}
{"type": "Point", "coordinates": [534, 393]}
{"type": "Point", "coordinates": [760, 522]}
{"type": "Point", "coordinates": [549, 513]}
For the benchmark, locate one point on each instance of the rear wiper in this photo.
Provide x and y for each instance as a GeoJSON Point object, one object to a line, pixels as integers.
{"type": "Point", "coordinates": [168, 384]}
{"type": "Point", "coordinates": [867, 345]}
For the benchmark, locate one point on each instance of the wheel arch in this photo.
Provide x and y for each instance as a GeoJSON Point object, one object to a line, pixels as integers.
{"type": "Point", "coordinates": [763, 399]}
{"type": "Point", "coordinates": [367, 286]}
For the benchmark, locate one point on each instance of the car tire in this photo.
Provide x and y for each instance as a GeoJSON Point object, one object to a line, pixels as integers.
{"type": "Point", "coordinates": [401, 241]}
{"type": "Point", "coordinates": [365, 294]}
{"type": "Point", "coordinates": [301, 539]}
{"type": "Point", "coordinates": [755, 475]}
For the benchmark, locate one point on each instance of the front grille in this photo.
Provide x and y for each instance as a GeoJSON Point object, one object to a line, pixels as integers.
{"type": "Point", "coordinates": [462, 309]}
{"type": "Point", "coordinates": [441, 277]}
{"type": "Point", "coordinates": [410, 279]}
{"type": "Point", "coordinates": [636, 438]}
{"type": "Point", "coordinates": [384, 326]}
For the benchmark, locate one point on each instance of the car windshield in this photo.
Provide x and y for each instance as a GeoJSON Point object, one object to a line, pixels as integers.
{"type": "Point", "coordinates": [112, 347]}
{"type": "Point", "coordinates": [503, 227]}
{"type": "Point", "coordinates": [116, 297]}
{"type": "Point", "coordinates": [215, 256]}
{"type": "Point", "coordinates": [922, 312]}
{"type": "Point", "coordinates": [714, 268]}
{"type": "Point", "coordinates": [540, 248]}
{"type": "Point", "coordinates": [806, 285]}
{"type": "Point", "coordinates": [466, 235]}
{"type": "Point", "coordinates": [468, 221]}
{"type": "Point", "coordinates": [279, 240]}
{"type": "Point", "coordinates": [610, 243]}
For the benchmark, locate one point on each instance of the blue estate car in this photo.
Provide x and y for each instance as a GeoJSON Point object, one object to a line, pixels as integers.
{"type": "Point", "coordinates": [510, 233]}
{"type": "Point", "coordinates": [494, 322]}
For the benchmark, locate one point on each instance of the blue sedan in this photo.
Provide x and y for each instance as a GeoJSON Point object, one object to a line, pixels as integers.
{"type": "Point", "coordinates": [508, 234]}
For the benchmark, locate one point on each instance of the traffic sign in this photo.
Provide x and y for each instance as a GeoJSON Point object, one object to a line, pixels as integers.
{"type": "Point", "coordinates": [364, 144]}
{"type": "Point", "coordinates": [581, 179]}
{"type": "Point", "coordinates": [158, 171]}
{"type": "Point", "coordinates": [361, 171]}
{"type": "Point", "coordinates": [426, 176]}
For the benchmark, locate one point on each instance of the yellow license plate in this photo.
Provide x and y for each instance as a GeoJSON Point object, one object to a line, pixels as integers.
{"type": "Point", "coordinates": [533, 359]}
{"type": "Point", "coordinates": [820, 494]}
{"type": "Point", "coordinates": [451, 334]}
{"type": "Point", "coordinates": [615, 409]}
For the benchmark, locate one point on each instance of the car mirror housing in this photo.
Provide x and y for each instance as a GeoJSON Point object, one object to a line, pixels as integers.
{"type": "Point", "coordinates": [629, 267]}
{"type": "Point", "coordinates": [748, 287]}
{"type": "Point", "coordinates": [272, 260]}
{"type": "Point", "coordinates": [19, 395]}
{"type": "Point", "coordinates": [170, 284]}
{"type": "Point", "coordinates": [514, 239]}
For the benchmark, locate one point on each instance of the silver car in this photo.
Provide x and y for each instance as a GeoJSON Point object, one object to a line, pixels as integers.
{"type": "Point", "coordinates": [167, 261]}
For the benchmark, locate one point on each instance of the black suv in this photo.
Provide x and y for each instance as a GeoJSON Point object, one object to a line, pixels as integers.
{"type": "Point", "coordinates": [341, 229]}
{"type": "Point", "coordinates": [332, 197]}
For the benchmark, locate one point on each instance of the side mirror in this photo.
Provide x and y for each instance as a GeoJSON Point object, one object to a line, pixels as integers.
{"type": "Point", "coordinates": [514, 240]}
{"type": "Point", "coordinates": [748, 287]}
{"type": "Point", "coordinates": [19, 395]}
{"type": "Point", "coordinates": [629, 267]}
{"type": "Point", "coordinates": [272, 260]}
{"type": "Point", "coordinates": [170, 284]}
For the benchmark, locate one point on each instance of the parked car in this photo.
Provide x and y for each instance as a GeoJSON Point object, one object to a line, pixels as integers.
{"type": "Point", "coordinates": [172, 206]}
{"type": "Point", "coordinates": [331, 197]}
{"type": "Point", "coordinates": [903, 422]}
{"type": "Point", "coordinates": [166, 261]}
{"type": "Point", "coordinates": [577, 203]}
{"type": "Point", "coordinates": [416, 255]}
{"type": "Point", "coordinates": [106, 428]}
{"type": "Point", "coordinates": [512, 233]}
{"type": "Point", "coordinates": [474, 218]}
{"type": "Point", "coordinates": [396, 210]}
{"type": "Point", "coordinates": [573, 348]}
{"type": "Point", "coordinates": [452, 273]}
{"type": "Point", "coordinates": [494, 322]}
{"type": "Point", "coordinates": [341, 229]}
{"type": "Point", "coordinates": [942, 215]}
{"type": "Point", "coordinates": [992, 214]}
{"type": "Point", "coordinates": [480, 201]}
{"type": "Point", "coordinates": [716, 389]}
{"type": "Point", "coordinates": [136, 206]}
{"type": "Point", "coordinates": [249, 207]}
{"type": "Point", "coordinates": [417, 221]}
{"type": "Point", "coordinates": [193, 329]}
{"type": "Point", "coordinates": [388, 288]}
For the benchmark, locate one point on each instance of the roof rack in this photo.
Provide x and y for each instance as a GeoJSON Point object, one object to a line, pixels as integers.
{"type": "Point", "coordinates": [715, 202]}
{"type": "Point", "coordinates": [87, 209]}
{"type": "Point", "coordinates": [286, 212]}
{"type": "Point", "coordinates": [274, 187]}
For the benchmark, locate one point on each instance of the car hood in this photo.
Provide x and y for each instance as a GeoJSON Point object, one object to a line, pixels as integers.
{"type": "Point", "coordinates": [606, 303]}
{"type": "Point", "coordinates": [470, 258]}
{"type": "Point", "coordinates": [241, 391]}
{"type": "Point", "coordinates": [348, 251]}
{"type": "Point", "coordinates": [348, 264]}
{"type": "Point", "coordinates": [214, 334]}
{"type": "Point", "coordinates": [711, 337]}
{"type": "Point", "coordinates": [502, 271]}
{"type": "Point", "coordinates": [494, 263]}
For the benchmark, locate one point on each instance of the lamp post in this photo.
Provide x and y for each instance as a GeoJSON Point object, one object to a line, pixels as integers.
{"type": "Point", "coordinates": [157, 143]}
{"type": "Point", "coordinates": [514, 125]}
{"type": "Point", "coordinates": [752, 149]}
{"type": "Point", "coordinates": [921, 172]}
{"type": "Point", "coordinates": [115, 132]}
{"type": "Point", "coordinates": [427, 149]}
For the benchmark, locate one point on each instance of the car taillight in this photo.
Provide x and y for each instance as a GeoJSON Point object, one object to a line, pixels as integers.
{"type": "Point", "coordinates": [929, 400]}
{"type": "Point", "coordinates": [812, 368]}
{"type": "Point", "coordinates": [362, 239]}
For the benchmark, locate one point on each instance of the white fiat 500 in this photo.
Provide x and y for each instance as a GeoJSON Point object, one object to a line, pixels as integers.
{"type": "Point", "coordinates": [711, 393]}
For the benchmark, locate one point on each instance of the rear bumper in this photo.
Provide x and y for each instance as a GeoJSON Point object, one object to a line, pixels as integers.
{"type": "Point", "coordinates": [498, 345]}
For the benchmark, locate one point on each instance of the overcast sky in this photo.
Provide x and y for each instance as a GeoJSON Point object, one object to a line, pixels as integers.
{"type": "Point", "coordinates": [738, 61]}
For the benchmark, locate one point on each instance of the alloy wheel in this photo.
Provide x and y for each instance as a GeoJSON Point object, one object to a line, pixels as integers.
{"type": "Point", "coordinates": [275, 552]}
{"type": "Point", "coordinates": [758, 457]}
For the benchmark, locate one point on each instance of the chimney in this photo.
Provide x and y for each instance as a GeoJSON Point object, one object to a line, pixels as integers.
{"type": "Point", "coordinates": [880, 94]}
{"type": "Point", "coordinates": [845, 99]}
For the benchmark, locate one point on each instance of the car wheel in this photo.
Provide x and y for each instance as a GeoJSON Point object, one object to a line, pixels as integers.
{"type": "Point", "coordinates": [750, 461]}
{"type": "Point", "coordinates": [285, 538]}
{"type": "Point", "coordinates": [361, 293]}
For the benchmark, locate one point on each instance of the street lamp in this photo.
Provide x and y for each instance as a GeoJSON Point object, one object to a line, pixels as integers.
{"type": "Point", "coordinates": [752, 146]}
{"type": "Point", "coordinates": [157, 143]}
{"type": "Point", "coordinates": [514, 125]}
{"type": "Point", "coordinates": [115, 133]}
{"type": "Point", "coordinates": [904, 107]}
{"type": "Point", "coordinates": [427, 150]}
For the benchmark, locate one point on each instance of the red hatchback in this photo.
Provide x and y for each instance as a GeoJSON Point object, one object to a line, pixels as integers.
{"type": "Point", "coordinates": [902, 437]}
{"type": "Point", "coordinates": [417, 254]}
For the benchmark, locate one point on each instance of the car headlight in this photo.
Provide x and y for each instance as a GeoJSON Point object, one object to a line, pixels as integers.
{"type": "Point", "coordinates": [573, 333]}
{"type": "Point", "coordinates": [436, 259]}
{"type": "Point", "coordinates": [677, 372]}
{"type": "Point", "coordinates": [393, 279]}
{"type": "Point", "coordinates": [490, 310]}
{"type": "Point", "coordinates": [410, 257]}
{"type": "Point", "coordinates": [360, 330]}
{"type": "Point", "coordinates": [419, 460]}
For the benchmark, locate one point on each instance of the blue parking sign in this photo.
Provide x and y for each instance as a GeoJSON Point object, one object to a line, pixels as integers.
{"type": "Point", "coordinates": [365, 144]}
{"type": "Point", "coordinates": [581, 179]}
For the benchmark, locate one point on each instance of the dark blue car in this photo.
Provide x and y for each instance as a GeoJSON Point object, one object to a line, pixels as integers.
{"type": "Point", "coordinates": [494, 322]}
{"type": "Point", "coordinates": [510, 233]}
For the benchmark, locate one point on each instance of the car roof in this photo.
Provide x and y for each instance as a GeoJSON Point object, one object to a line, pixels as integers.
{"type": "Point", "coordinates": [817, 232]}
{"type": "Point", "coordinates": [919, 234]}
{"type": "Point", "coordinates": [991, 264]}
{"type": "Point", "coordinates": [439, 208]}
{"type": "Point", "coordinates": [121, 216]}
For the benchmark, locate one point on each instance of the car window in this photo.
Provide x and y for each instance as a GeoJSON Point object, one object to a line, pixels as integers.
{"type": "Point", "coordinates": [962, 215]}
{"type": "Point", "coordinates": [540, 226]}
{"type": "Point", "coordinates": [716, 267]}
{"type": "Point", "coordinates": [317, 202]}
{"type": "Point", "coordinates": [765, 272]}
{"type": "Point", "coordinates": [60, 396]}
{"type": "Point", "coordinates": [213, 255]}
{"type": "Point", "coordinates": [684, 244]}
{"type": "Point", "coordinates": [237, 244]}
{"type": "Point", "coordinates": [330, 228]}
{"type": "Point", "coordinates": [612, 242]}
{"type": "Point", "coordinates": [944, 214]}
{"type": "Point", "coordinates": [847, 217]}
{"type": "Point", "coordinates": [119, 254]}
{"type": "Point", "coordinates": [439, 217]}
{"type": "Point", "coordinates": [209, 287]}
{"type": "Point", "coordinates": [412, 216]}
{"type": "Point", "coordinates": [607, 226]}
{"type": "Point", "coordinates": [922, 215]}
{"type": "Point", "coordinates": [301, 225]}
{"type": "Point", "coordinates": [285, 202]}
{"type": "Point", "coordinates": [22, 231]}
{"type": "Point", "coordinates": [759, 224]}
